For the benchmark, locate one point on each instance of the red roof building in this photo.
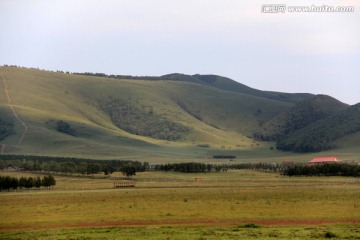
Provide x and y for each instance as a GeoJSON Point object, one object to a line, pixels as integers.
{"type": "Point", "coordinates": [321, 160]}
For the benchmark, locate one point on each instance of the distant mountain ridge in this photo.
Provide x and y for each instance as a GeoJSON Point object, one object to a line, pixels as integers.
{"type": "Point", "coordinates": [228, 84]}
{"type": "Point", "coordinates": [216, 81]}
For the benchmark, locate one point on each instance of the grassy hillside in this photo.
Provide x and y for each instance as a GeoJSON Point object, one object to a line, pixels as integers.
{"type": "Point", "coordinates": [76, 115]}
{"type": "Point", "coordinates": [228, 84]}
{"type": "Point", "coordinates": [322, 134]}
{"type": "Point", "coordinates": [158, 121]}
{"type": "Point", "coordinates": [299, 116]}
{"type": "Point", "coordinates": [312, 125]}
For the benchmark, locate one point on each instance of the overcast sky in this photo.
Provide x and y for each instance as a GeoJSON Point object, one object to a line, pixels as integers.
{"type": "Point", "coordinates": [288, 52]}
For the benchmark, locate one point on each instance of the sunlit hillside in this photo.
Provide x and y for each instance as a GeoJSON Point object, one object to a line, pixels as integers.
{"type": "Point", "coordinates": [53, 113]}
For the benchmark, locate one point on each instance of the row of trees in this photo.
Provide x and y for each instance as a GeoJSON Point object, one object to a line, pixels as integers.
{"type": "Point", "coordinates": [100, 74]}
{"type": "Point", "coordinates": [8, 182]}
{"type": "Point", "coordinates": [338, 169]}
{"type": "Point", "coordinates": [190, 167]}
{"type": "Point", "coordinates": [343, 169]}
{"type": "Point", "coordinates": [68, 166]}
{"type": "Point", "coordinates": [269, 167]}
{"type": "Point", "coordinates": [122, 76]}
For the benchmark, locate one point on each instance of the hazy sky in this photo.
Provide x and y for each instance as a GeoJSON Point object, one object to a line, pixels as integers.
{"type": "Point", "coordinates": [314, 52]}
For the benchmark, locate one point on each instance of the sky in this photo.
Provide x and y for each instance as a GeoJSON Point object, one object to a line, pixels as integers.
{"type": "Point", "coordinates": [314, 52]}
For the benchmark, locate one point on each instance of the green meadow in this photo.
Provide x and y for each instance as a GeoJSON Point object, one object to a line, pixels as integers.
{"type": "Point", "coordinates": [238, 204]}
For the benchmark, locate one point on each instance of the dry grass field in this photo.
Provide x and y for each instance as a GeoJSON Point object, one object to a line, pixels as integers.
{"type": "Point", "coordinates": [238, 204]}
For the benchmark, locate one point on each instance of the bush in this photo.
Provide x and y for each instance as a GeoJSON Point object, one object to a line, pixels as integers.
{"type": "Point", "coordinates": [249, 225]}
{"type": "Point", "coordinates": [203, 145]}
{"type": "Point", "coordinates": [329, 235]}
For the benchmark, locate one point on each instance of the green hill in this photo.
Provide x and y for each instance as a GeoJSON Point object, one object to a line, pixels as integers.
{"type": "Point", "coordinates": [157, 119]}
{"type": "Point", "coordinates": [90, 116]}
{"type": "Point", "coordinates": [311, 125]}
{"type": "Point", "coordinates": [322, 134]}
{"type": "Point", "coordinates": [228, 84]}
{"type": "Point", "coordinates": [299, 116]}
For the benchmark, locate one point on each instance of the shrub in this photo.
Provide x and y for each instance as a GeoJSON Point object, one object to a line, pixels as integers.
{"type": "Point", "coordinates": [249, 225]}
{"type": "Point", "coordinates": [329, 235]}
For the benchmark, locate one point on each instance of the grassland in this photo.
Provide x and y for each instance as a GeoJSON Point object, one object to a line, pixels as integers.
{"type": "Point", "coordinates": [174, 206]}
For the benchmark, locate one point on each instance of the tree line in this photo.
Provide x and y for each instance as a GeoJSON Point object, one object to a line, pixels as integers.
{"type": "Point", "coordinates": [130, 77]}
{"type": "Point", "coordinates": [331, 169]}
{"type": "Point", "coordinates": [153, 78]}
{"type": "Point", "coordinates": [68, 166]}
{"type": "Point", "coordinates": [8, 182]}
{"type": "Point", "coordinates": [269, 167]}
{"type": "Point", "coordinates": [190, 167]}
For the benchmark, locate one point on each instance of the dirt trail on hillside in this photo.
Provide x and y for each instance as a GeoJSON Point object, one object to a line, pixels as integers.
{"type": "Point", "coordinates": [14, 113]}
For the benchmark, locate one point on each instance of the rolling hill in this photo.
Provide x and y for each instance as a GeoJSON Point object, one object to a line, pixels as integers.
{"type": "Point", "coordinates": [322, 134]}
{"type": "Point", "coordinates": [174, 117]}
{"type": "Point", "coordinates": [299, 116]}
{"type": "Point", "coordinates": [312, 125]}
{"type": "Point", "coordinates": [228, 84]}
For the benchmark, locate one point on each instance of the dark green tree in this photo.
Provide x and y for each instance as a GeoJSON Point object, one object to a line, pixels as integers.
{"type": "Point", "coordinates": [29, 182]}
{"type": "Point", "coordinates": [128, 170]}
{"type": "Point", "coordinates": [107, 169]}
{"type": "Point", "coordinates": [37, 182]}
{"type": "Point", "coordinates": [92, 168]}
{"type": "Point", "coordinates": [22, 182]}
{"type": "Point", "coordinates": [48, 181]}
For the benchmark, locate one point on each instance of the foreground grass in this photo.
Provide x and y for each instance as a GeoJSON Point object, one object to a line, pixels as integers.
{"type": "Point", "coordinates": [174, 206]}
{"type": "Point", "coordinates": [194, 232]}
{"type": "Point", "coordinates": [178, 206]}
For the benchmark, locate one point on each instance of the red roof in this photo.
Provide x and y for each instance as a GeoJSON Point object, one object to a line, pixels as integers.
{"type": "Point", "coordinates": [324, 159]}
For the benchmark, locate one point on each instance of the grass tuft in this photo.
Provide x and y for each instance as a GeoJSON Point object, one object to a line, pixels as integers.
{"type": "Point", "coordinates": [249, 225]}
{"type": "Point", "coordinates": [329, 235]}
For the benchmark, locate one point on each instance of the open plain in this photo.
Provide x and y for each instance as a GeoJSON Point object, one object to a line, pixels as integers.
{"type": "Point", "coordinates": [237, 204]}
